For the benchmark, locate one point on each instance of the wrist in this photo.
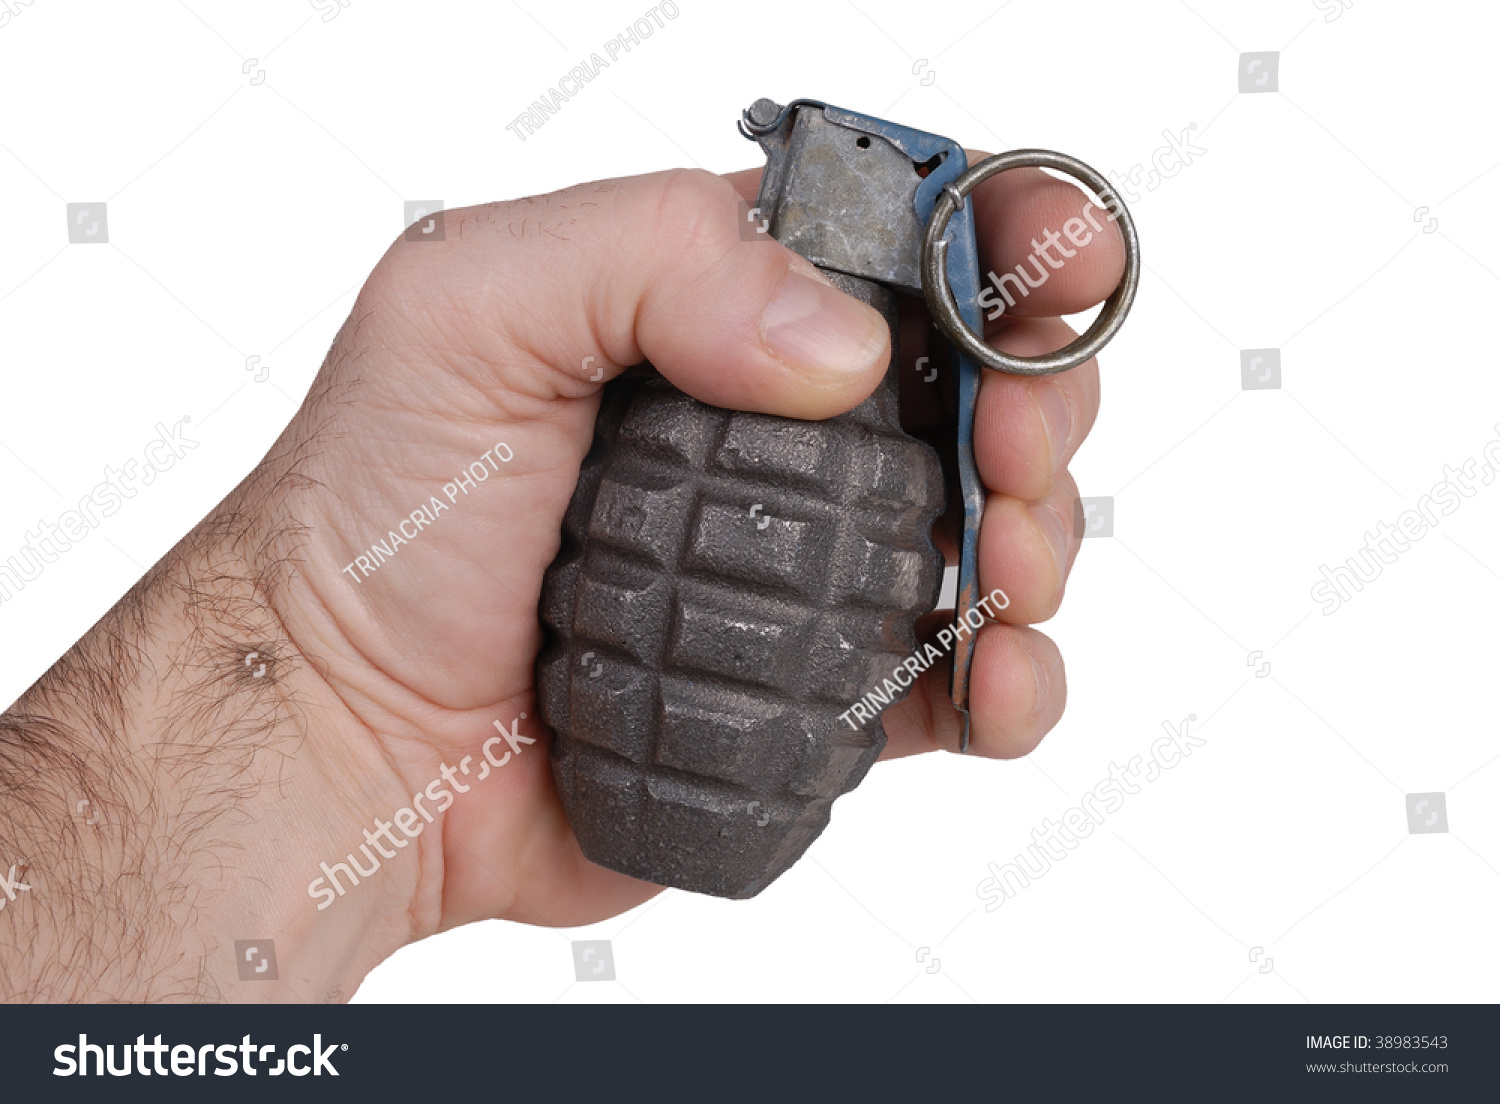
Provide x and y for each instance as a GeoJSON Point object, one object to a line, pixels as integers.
{"type": "Point", "coordinates": [175, 783]}
{"type": "Point", "coordinates": [315, 875]}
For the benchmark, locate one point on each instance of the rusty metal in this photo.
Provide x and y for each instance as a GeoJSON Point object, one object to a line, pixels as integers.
{"type": "Point", "coordinates": [729, 584]}
{"type": "Point", "coordinates": [945, 311]}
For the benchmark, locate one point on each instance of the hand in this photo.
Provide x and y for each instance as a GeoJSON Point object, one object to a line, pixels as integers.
{"type": "Point", "coordinates": [392, 673]}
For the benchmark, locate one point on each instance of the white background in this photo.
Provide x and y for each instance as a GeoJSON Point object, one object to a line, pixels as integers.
{"type": "Point", "coordinates": [242, 218]}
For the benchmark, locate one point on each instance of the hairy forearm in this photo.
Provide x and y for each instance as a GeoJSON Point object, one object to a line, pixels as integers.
{"type": "Point", "coordinates": [167, 786]}
{"type": "Point", "coordinates": [124, 771]}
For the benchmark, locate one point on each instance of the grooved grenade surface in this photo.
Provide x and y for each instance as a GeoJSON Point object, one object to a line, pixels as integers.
{"type": "Point", "coordinates": [728, 585]}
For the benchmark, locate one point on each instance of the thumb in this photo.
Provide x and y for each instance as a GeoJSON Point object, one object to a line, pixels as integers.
{"type": "Point", "coordinates": [656, 268]}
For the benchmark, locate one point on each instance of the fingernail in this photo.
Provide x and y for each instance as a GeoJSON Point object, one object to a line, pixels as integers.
{"type": "Point", "coordinates": [1043, 680]}
{"type": "Point", "coordinates": [1057, 418]}
{"type": "Point", "coordinates": [820, 329]}
{"type": "Point", "coordinates": [1056, 532]}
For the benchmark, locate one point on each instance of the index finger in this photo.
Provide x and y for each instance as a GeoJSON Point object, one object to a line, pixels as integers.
{"type": "Point", "coordinates": [1045, 247]}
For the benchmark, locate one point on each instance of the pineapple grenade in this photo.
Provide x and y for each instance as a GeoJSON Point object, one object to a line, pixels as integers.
{"type": "Point", "coordinates": [730, 584]}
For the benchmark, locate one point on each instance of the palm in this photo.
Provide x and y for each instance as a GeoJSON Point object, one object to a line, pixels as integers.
{"type": "Point", "coordinates": [443, 635]}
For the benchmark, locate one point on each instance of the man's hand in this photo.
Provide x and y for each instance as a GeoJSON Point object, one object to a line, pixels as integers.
{"type": "Point", "coordinates": [226, 794]}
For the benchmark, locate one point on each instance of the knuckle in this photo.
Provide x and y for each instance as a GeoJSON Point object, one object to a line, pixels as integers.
{"type": "Point", "coordinates": [695, 219]}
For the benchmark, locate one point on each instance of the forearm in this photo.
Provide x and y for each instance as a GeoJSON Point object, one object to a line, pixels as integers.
{"type": "Point", "coordinates": [172, 784]}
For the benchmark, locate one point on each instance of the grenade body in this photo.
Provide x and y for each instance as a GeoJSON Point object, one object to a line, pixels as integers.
{"type": "Point", "coordinates": [729, 584]}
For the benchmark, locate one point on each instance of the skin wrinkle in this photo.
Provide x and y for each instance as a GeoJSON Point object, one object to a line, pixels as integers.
{"type": "Point", "coordinates": [403, 299]}
{"type": "Point", "coordinates": [697, 238]}
{"type": "Point", "coordinates": [593, 319]}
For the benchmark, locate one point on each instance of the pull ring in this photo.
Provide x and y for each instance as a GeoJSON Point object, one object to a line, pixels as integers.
{"type": "Point", "coordinates": [935, 267]}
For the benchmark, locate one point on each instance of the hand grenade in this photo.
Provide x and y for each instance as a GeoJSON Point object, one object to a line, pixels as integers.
{"type": "Point", "coordinates": [730, 583]}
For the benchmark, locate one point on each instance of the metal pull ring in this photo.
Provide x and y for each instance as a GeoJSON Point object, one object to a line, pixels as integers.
{"type": "Point", "coordinates": [935, 267]}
